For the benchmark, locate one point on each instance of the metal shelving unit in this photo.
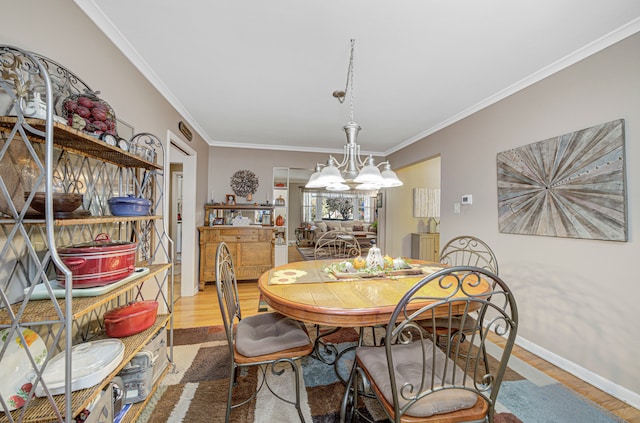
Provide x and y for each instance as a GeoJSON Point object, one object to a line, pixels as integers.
{"type": "Point", "coordinates": [42, 153]}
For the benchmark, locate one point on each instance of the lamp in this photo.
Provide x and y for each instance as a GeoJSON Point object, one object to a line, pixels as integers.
{"type": "Point", "coordinates": [352, 171]}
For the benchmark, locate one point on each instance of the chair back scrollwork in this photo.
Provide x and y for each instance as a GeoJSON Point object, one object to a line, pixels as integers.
{"type": "Point", "coordinates": [469, 251]}
{"type": "Point", "coordinates": [336, 245]}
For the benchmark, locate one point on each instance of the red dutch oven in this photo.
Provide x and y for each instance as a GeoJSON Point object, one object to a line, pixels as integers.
{"type": "Point", "coordinates": [99, 262]}
{"type": "Point", "coordinates": [130, 319]}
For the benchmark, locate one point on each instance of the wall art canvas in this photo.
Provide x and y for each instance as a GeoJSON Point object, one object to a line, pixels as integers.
{"type": "Point", "coordinates": [569, 186]}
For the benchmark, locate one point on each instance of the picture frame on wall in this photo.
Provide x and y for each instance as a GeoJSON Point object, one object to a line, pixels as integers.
{"type": "Point", "coordinates": [570, 186]}
{"type": "Point", "coordinates": [125, 130]}
{"type": "Point", "coordinates": [231, 200]}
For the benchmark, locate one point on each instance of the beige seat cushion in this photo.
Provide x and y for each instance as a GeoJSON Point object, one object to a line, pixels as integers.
{"type": "Point", "coordinates": [456, 323]}
{"type": "Point", "coordinates": [408, 367]}
{"type": "Point", "coordinates": [267, 333]}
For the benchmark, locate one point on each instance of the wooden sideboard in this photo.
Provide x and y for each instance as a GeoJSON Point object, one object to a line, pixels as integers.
{"type": "Point", "coordinates": [425, 246]}
{"type": "Point", "coordinates": [251, 248]}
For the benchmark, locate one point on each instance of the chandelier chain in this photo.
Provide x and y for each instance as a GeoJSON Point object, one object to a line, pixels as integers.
{"type": "Point", "coordinates": [350, 78]}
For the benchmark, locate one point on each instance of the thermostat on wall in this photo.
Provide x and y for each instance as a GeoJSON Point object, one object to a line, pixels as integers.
{"type": "Point", "coordinates": [467, 199]}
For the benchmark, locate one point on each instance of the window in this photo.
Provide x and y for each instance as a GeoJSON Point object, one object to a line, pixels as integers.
{"type": "Point", "coordinates": [322, 205]}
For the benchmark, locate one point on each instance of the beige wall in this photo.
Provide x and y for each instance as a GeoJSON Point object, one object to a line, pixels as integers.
{"type": "Point", "coordinates": [224, 162]}
{"type": "Point", "coordinates": [577, 298]}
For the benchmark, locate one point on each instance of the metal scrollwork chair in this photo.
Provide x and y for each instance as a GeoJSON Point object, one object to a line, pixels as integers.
{"type": "Point", "coordinates": [416, 379]}
{"type": "Point", "coordinates": [466, 250]}
{"type": "Point", "coordinates": [469, 251]}
{"type": "Point", "coordinates": [336, 245]}
{"type": "Point", "coordinates": [333, 245]}
{"type": "Point", "coordinates": [267, 340]}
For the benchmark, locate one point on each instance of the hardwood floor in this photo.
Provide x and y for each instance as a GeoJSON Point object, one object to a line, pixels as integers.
{"type": "Point", "coordinates": [202, 310]}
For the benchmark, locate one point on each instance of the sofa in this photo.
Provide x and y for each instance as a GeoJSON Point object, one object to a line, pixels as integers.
{"type": "Point", "coordinates": [359, 228]}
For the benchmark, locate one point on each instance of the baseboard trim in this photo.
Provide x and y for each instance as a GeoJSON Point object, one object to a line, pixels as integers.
{"type": "Point", "coordinates": [613, 389]}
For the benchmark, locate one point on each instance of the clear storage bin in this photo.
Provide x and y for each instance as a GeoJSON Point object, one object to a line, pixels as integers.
{"type": "Point", "coordinates": [158, 347]}
{"type": "Point", "coordinates": [137, 377]}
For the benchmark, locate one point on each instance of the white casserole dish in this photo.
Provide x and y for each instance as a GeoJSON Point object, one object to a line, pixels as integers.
{"type": "Point", "coordinates": [91, 363]}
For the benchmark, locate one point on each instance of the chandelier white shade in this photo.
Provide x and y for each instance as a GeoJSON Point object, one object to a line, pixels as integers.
{"type": "Point", "coordinates": [389, 177]}
{"type": "Point", "coordinates": [352, 171]}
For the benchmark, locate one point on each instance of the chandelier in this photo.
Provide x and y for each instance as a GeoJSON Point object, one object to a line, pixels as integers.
{"type": "Point", "coordinates": [352, 171]}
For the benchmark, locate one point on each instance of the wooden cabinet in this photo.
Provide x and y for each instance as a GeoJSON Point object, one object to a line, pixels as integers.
{"type": "Point", "coordinates": [425, 246]}
{"type": "Point", "coordinates": [251, 248]}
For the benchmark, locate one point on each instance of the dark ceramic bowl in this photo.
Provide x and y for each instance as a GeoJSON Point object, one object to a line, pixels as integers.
{"type": "Point", "coordinates": [62, 202]}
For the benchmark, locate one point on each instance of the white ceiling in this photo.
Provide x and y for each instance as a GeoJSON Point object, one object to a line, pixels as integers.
{"type": "Point", "coordinates": [260, 74]}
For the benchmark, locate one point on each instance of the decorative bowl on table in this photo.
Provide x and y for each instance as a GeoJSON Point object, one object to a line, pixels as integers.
{"type": "Point", "coordinates": [357, 268]}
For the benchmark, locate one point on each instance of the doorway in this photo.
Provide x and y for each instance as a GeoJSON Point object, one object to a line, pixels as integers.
{"type": "Point", "coordinates": [176, 211]}
{"type": "Point", "coordinates": [183, 163]}
{"type": "Point", "coordinates": [397, 207]}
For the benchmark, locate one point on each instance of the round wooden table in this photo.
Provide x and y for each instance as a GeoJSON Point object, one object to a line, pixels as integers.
{"type": "Point", "coordinates": [305, 292]}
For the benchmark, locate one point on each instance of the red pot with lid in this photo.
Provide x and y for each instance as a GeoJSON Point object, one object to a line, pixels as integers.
{"type": "Point", "coordinates": [130, 319]}
{"type": "Point", "coordinates": [99, 262]}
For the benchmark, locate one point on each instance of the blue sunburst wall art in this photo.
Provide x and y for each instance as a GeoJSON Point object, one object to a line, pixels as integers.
{"type": "Point", "coordinates": [569, 186]}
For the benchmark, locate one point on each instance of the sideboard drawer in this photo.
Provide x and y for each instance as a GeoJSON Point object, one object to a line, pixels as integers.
{"type": "Point", "coordinates": [227, 237]}
{"type": "Point", "coordinates": [208, 235]}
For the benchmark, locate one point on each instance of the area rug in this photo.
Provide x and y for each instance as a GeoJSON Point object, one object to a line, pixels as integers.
{"type": "Point", "coordinates": [195, 390]}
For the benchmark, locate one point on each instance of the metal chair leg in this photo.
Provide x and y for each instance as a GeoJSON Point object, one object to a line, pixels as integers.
{"type": "Point", "coordinates": [232, 381]}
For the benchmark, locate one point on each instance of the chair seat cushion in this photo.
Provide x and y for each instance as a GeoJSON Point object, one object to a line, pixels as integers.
{"type": "Point", "coordinates": [267, 333]}
{"type": "Point", "coordinates": [408, 366]}
{"type": "Point", "coordinates": [456, 323]}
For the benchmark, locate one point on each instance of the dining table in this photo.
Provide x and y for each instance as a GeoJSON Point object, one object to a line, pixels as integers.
{"type": "Point", "coordinates": [314, 292]}
{"type": "Point", "coordinates": [317, 292]}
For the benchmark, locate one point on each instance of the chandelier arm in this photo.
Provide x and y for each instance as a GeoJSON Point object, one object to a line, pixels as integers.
{"type": "Point", "coordinates": [345, 157]}
{"type": "Point", "coordinates": [358, 156]}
